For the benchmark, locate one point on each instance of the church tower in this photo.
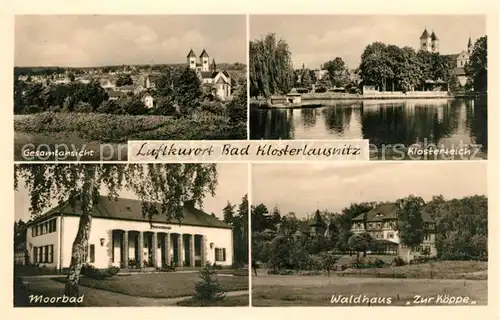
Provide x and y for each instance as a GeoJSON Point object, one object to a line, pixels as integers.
{"type": "Point", "coordinates": [204, 57]}
{"type": "Point", "coordinates": [425, 41]}
{"type": "Point", "coordinates": [434, 43]}
{"type": "Point", "coordinates": [470, 46]}
{"type": "Point", "coordinates": [191, 60]}
{"type": "Point", "coordinates": [213, 66]}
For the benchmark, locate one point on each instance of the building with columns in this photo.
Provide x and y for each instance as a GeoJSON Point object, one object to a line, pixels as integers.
{"type": "Point", "coordinates": [121, 237]}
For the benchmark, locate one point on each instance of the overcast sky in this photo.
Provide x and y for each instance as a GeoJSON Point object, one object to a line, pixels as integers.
{"type": "Point", "coordinates": [233, 185]}
{"type": "Point", "coordinates": [302, 188]}
{"type": "Point", "coordinates": [316, 39]}
{"type": "Point", "coordinates": [94, 40]}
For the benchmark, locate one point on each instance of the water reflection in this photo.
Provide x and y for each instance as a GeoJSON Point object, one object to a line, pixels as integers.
{"type": "Point", "coordinates": [445, 123]}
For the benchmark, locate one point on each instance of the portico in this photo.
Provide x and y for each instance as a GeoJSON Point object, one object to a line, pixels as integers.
{"type": "Point", "coordinates": [139, 249]}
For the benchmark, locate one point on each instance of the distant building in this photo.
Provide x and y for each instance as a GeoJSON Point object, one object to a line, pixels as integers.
{"type": "Point", "coordinates": [20, 254]}
{"type": "Point", "coordinates": [148, 101]}
{"type": "Point", "coordinates": [209, 74]}
{"type": "Point", "coordinates": [381, 225]}
{"type": "Point", "coordinates": [320, 73]}
{"type": "Point", "coordinates": [430, 43]}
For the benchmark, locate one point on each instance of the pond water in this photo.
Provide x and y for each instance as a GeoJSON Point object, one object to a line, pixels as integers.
{"type": "Point", "coordinates": [446, 123]}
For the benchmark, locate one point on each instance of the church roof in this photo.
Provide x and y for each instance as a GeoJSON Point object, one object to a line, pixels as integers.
{"type": "Point", "coordinates": [425, 34]}
{"type": "Point", "coordinates": [469, 43]}
{"type": "Point", "coordinates": [191, 54]}
{"type": "Point", "coordinates": [433, 36]}
{"type": "Point", "coordinates": [318, 220]}
{"type": "Point", "coordinates": [204, 54]}
{"type": "Point", "coordinates": [131, 210]}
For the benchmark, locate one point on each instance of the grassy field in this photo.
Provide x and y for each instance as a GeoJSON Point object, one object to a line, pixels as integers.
{"type": "Point", "coordinates": [160, 285]}
{"type": "Point", "coordinates": [236, 301]}
{"type": "Point", "coordinates": [470, 270]}
{"type": "Point", "coordinates": [318, 290]}
{"type": "Point", "coordinates": [96, 129]}
{"type": "Point", "coordinates": [453, 278]}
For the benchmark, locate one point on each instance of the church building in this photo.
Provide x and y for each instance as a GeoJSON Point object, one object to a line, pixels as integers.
{"type": "Point", "coordinates": [209, 75]}
{"type": "Point", "coordinates": [430, 42]}
{"type": "Point", "coordinates": [120, 236]}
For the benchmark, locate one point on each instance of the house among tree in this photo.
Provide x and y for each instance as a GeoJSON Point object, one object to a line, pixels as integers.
{"type": "Point", "coordinates": [20, 254]}
{"type": "Point", "coordinates": [120, 236]}
{"type": "Point", "coordinates": [381, 223]}
{"type": "Point", "coordinates": [219, 80]}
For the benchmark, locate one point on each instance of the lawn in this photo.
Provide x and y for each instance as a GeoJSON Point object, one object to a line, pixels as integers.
{"type": "Point", "coordinates": [296, 290]}
{"type": "Point", "coordinates": [471, 270]}
{"type": "Point", "coordinates": [235, 301]}
{"type": "Point", "coordinates": [160, 285]}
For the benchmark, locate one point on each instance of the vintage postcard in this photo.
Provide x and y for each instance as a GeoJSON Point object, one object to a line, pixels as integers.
{"type": "Point", "coordinates": [415, 86]}
{"type": "Point", "coordinates": [86, 84]}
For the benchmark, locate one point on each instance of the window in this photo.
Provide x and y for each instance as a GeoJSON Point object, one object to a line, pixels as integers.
{"type": "Point", "coordinates": [51, 253]}
{"type": "Point", "coordinates": [220, 254]}
{"type": "Point", "coordinates": [35, 254]}
{"type": "Point", "coordinates": [92, 253]}
{"type": "Point", "coordinates": [390, 235]}
{"type": "Point", "coordinates": [46, 254]}
{"type": "Point", "coordinates": [33, 232]}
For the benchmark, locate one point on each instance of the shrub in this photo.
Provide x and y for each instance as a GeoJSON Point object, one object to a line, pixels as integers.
{"type": "Point", "coordinates": [398, 262]}
{"type": "Point", "coordinates": [92, 272]}
{"type": "Point", "coordinates": [208, 289]}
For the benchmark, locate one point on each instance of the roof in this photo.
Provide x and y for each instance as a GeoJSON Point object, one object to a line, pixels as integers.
{"type": "Point", "coordinates": [433, 36]}
{"type": "Point", "coordinates": [469, 43]}
{"type": "Point", "coordinates": [21, 246]}
{"type": "Point", "coordinates": [317, 220]}
{"type": "Point", "coordinates": [293, 93]}
{"type": "Point", "coordinates": [204, 54]}
{"type": "Point", "coordinates": [131, 210]}
{"type": "Point", "coordinates": [386, 211]}
{"type": "Point", "coordinates": [208, 74]}
{"type": "Point", "coordinates": [191, 54]}
{"type": "Point", "coordinates": [453, 56]}
{"type": "Point", "coordinates": [425, 34]}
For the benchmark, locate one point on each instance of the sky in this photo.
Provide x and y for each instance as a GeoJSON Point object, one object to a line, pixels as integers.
{"type": "Point", "coordinates": [232, 186]}
{"type": "Point", "coordinates": [315, 39]}
{"type": "Point", "coordinates": [303, 188]}
{"type": "Point", "coordinates": [96, 40]}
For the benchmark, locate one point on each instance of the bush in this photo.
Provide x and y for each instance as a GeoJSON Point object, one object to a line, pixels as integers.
{"type": "Point", "coordinates": [208, 289]}
{"type": "Point", "coordinates": [120, 128]}
{"type": "Point", "coordinates": [398, 262]}
{"type": "Point", "coordinates": [92, 272]}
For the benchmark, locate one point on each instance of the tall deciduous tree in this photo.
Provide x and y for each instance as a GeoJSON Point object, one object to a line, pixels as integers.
{"type": "Point", "coordinates": [477, 68]}
{"type": "Point", "coordinates": [80, 186]}
{"type": "Point", "coordinates": [410, 221]}
{"type": "Point", "coordinates": [271, 68]}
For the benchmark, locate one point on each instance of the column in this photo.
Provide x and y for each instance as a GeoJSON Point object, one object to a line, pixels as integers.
{"type": "Point", "coordinates": [154, 250]}
{"type": "Point", "coordinates": [140, 247]}
{"type": "Point", "coordinates": [180, 250]}
{"type": "Point", "coordinates": [203, 250]}
{"type": "Point", "coordinates": [168, 259]}
{"type": "Point", "coordinates": [191, 251]}
{"type": "Point", "coordinates": [125, 248]}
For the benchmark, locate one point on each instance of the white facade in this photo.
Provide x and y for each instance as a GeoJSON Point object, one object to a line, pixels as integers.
{"type": "Point", "coordinates": [162, 244]}
{"type": "Point", "coordinates": [149, 101]}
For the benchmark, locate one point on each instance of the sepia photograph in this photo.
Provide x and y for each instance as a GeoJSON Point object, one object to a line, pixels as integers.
{"type": "Point", "coordinates": [414, 86]}
{"type": "Point", "coordinates": [144, 235]}
{"type": "Point", "coordinates": [370, 234]}
{"type": "Point", "coordinates": [86, 84]}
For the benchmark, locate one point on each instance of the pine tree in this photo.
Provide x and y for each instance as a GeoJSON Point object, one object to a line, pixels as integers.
{"type": "Point", "coordinates": [208, 289]}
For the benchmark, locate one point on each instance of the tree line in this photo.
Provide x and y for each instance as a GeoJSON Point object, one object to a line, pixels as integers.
{"type": "Point", "coordinates": [460, 228]}
{"type": "Point", "coordinates": [385, 66]}
{"type": "Point", "coordinates": [237, 217]}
